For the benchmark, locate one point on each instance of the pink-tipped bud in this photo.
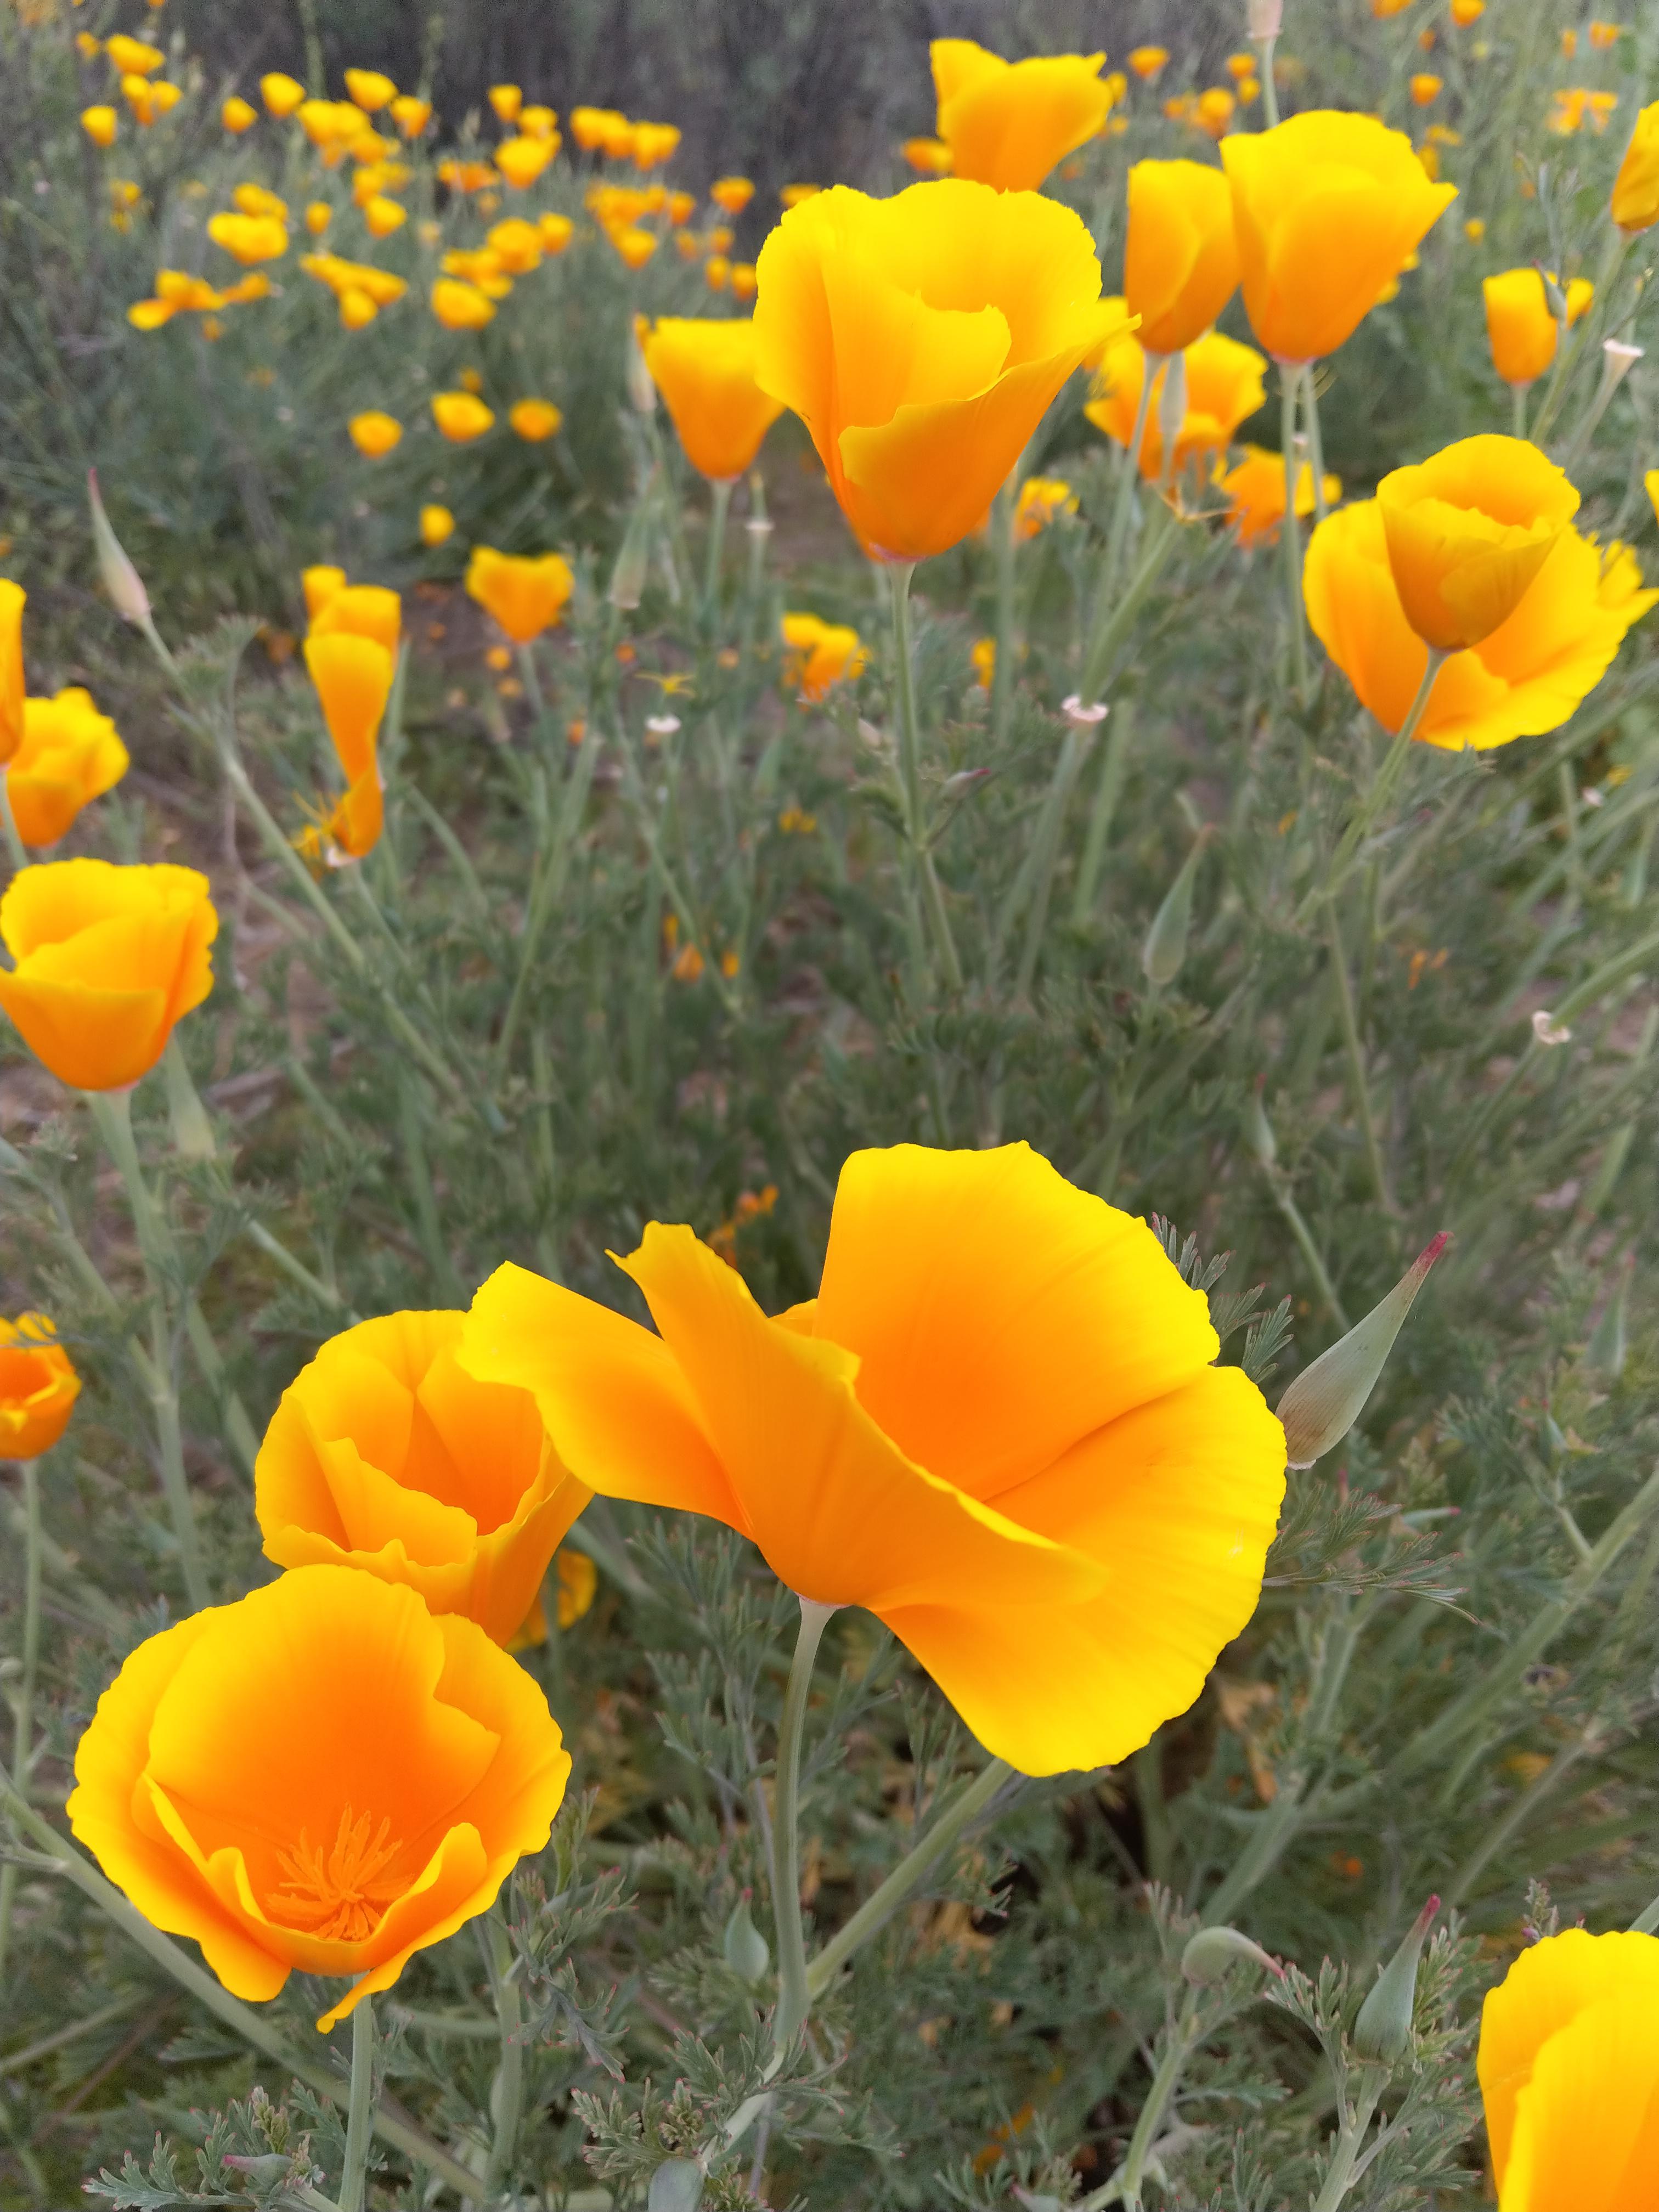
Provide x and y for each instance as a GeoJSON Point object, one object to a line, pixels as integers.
{"type": "Point", "coordinates": [1383, 2029]}
{"type": "Point", "coordinates": [121, 580]}
{"type": "Point", "coordinates": [1210, 1953]}
{"type": "Point", "coordinates": [1327, 1398]}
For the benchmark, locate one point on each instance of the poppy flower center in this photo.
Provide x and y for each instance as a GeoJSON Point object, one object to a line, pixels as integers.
{"type": "Point", "coordinates": [339, 1891]}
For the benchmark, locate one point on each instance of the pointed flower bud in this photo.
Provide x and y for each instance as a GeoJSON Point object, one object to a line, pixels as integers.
{"type": "Point", "coordinates": [633, 560]}
{"type": "Point", "coordinates": [1165, 952]}
{"type": "Point", "coordinates": [745, 1948]}
{"type": "Point", "coordinates": [1258, 1129]}
{"type": "Point", "coordinates": [1326, 1399]}
{"type": "Point", "coordinates": [1384, 2025]}
{"type": "Point", "coordinates": [1213, 1950]}
{"type": "Point", "coordinates": [675, 2186]}
{"type": "Point", "coordinates": [121, 580]}
{"type": "Point", "coordinates": [1609, 1345]}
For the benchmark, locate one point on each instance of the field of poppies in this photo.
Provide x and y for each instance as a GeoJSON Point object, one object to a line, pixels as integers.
{"type": "Point", "coordinates": [827, 1118]}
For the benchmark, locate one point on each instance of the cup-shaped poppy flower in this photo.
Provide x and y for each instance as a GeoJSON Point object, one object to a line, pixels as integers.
{"type": "Point", "coordinates": [38, 1387]}
{"type": "Point", "coordinates": [1255, 490]}
{"type": "Point", "coordinates": [106, 960]}
{"type": "Point", "coordinates": [353, 676]}
{"type": "Point", "coordinates": [920, 339]}
{"type": "Point", "coordinates": [1522, 332]}
{"type": "Point", "coordinates": [1223, 388]}
{"type": "Point", "coordinates": [1041, 500]}
{"type": "Point", "coordinates": [1634, 204]}
{"type": "Point", "coordinates": [1326, 209]}
{"type": "Point", "coordinates": [71, 755]}
{"type": "Point", "coordinates": [705, 372]}
{"type": "Point", "coordinates": [1007, 123]}
{"type": "Point", "coordinates": [411, 114]}
{"type": "Point", "coordinates": [1467, 530]}
{"type": "Point", "coordinates": [461, 417]}
{"type": "Point", "coordinates": [1528, 677]}
{"type": "Point", "coordinates": [374, 433]}
{"type": "Point", "coordinates": [1569, 2071]}
{"type": "Point", "coordinates": [733, 194]}
{"type": "Point", "coordinates": [238, 115]}
{"type": "Point", "coordinates": [324, 1776]}
{"type": "Point", "coordinates": [13, 600]}
{"type": "Point", "coordinates": [370, 89]}
{"type": "Point", "coordinates": [460, 307]}
{"type": "Point", "coordinates": [1180, 260]}
{"type": "Point", "coordinates": [524, 594]}
{"type": "Point", "coordinates": [385, 1454]}
{"type": "Point", "coordinates": [336, 606]}
{"type": "Point", "coordinates": [99, 123]}
{"type": "Point", "coordinates": [998, 1427]}
{"type": "Point", "coordinates": [819, 653]}
{"type": "Point", "coordinates": [521, 160]}
{"type": "Point", "coordinates": [280, 93]}
{"type": "Point", "coordinates": [535, 421]}
{"type": "Point", "coordinates": [249, 238]}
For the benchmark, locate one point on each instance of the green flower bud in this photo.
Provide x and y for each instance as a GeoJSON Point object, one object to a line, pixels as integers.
{"type": "Point", "coordinates": [1165, 952]}
{"type": "Point", "coordinates": [633, 560]}
{"type": "Point", "coordinates": [1209, 1955]}
{"type": "Point", "coordinates": [1384, 2025]}
{"type": "Point", "coordinates": [1327, 1398]}
{"type": "Point", "coordinates": [744, 1946]}
{"type": "Point", "coordinates": [1610, 1343]}
{"type": "Point", "coordinates": [121, 580]}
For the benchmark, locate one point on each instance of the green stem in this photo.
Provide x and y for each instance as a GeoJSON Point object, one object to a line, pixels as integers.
{"type": "Point", "coordinates": [1381, 788]}
{"type": "Point", "coordinates": [795, 1996]}
{"type": "Point", "coordinates": [1269, 1840]}
{"type": "Point", "coordinates": [1297, 1223]}
{"type": "Point", "coordinates": [22, 1741]}
{"type": "Point", "coordinates": [1290, 384]}
{"type": "Point", "coordinates": [1570, 350]}
{"type": "Point", "coordinates": [1165, 2081]}
{"type": "Point", "coordinates": [909, 740]}
{"type": "Point", "coordinates": [1269, 89]}
{"type": "Point", "coordinates": [719, 501]}
{"type": "Point", "coordinates": [391, 2126]}
{"type": "Point", "coordinates": [1154, 1811]}
{"type": "Point", "coordinates": [546, 889]}
{"type": "Point", "coordinates": [529, 676]}
{"type": "Point", "coordinates": [354, 2179]}
{"type": "Point", "coordinates": [421, 1190]}
{"type": "Point", "coordinates": [15, 851]}
{"type": "Point", "coordinates": [112, 1112]}
{"type": "Point", "coordinates": [1518, 409]}
{"type": "Point", "coordinates": [1123, 504]}
{"type": "Point", "coordinates": [1362, 1094]}
{"type": "Point", "coordinates": [911, 1871]}
{"type": "Point", "coordinates": [1110, 634]}
{"type": "Point", "coordinates": [1101, 812]}
{"type": "Point", "coordinates": [1315, 443]}
{"type": "Point", "coordinates": [1350, 2139]}
{"type": "Point", "coordinates": [508, 2099]}
{"type": "Point", "coordinates": [1002, 671]}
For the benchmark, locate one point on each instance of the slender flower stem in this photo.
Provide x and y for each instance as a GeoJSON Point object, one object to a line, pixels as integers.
{"type": "Point", "coordinates": [1087, 882]}
{"type": "Point", "coordinates": [1381, 788]}
{"type": "Point", "coordinates": [22, 1741]}
{"type": "Point", "coordinates": [1002, 672]}
{"type": "Point", "coordinates": [1290, 383]}
{"type": "Point", "coordinates": [1110, 633]}
{"type": "Point", "coordinates": [112, 1112]}
{"type": "Point", "coordinates": [546, 889]}
{"type": "Point", "coordinates": [1269, 89]}
{"type": "Point", "coordinates": [1350, 2139]}
{"type": "Point", "coordinates": [1362, 1095]}
{"type": "Point", "coordinates": [795, 1996]}
{"type": "Point", "coordinates": [911, 1871]}
{"type": "Point", "coordinates": [255, 2029]}
{"type": "Point", "coordinates": [1315, 443]}
{"type": "Point", "coordinates": [719, 501]}
{"type": "Point", "coordinates": [529, 676]}
{"type": "Point", "coordinates": [1128, 474]}
{"type": "Point", "coordinates": [508, 2100]}
{"type": "Point", "coordinates": [909, 740]}
{"type": "Point", "coordinates": [354, 2180]}
{"type": "Point", "coordinates": [15, 850]}
{"type": "Point", "coordinates": [1165, 2081]}
{"type": "Point", "coordinates": [1518, 409]}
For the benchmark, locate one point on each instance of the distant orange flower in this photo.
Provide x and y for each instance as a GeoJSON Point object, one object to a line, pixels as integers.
{"type": "Point", "coordinates": [38, 1387]}
{"type": "Point", "coordinates": [524, 595]}
{"type": "Point", "coordinates": [1008, 122]}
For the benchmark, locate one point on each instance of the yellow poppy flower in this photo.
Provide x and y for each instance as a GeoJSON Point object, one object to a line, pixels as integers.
{"type": "Point", "coordinates": [374, 433]}
{"type": "Point", "coordinates": [534, 420]}
{"type": "Point", "coordinates": [71, 755]}
{"type": "Point", "coordinates": [1005, 1434]}
{"type": "Point", "coordinates": [819, 653]}
{"type": "Point", "coordinates": [1181, 260]}
{"type": "Point", "coordinates": [1467, 530]}
{"type": "Point", "coordinates": [706, 373]}
{"type": "Point", "coordinates": [1522, 332]}
{"type": "Point", "coordinates": [1255, 490]}
{"type": "Point", "coordinates": [38, 1387]}
{"type": "Point", "coordinates": [1007, 123]}
{"type": "Point", "coordinates": [100, 125]}
{"type": "Point", "coordinates": [460, 416]}
{"type": "Point", "coordinates": [1223, 388]}
{"type": "Point", "coordinates": [1634, 204]}
{"type": "Point", "coordinates": [524, 595]}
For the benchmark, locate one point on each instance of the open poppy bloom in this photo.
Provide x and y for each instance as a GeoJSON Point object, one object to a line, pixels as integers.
{"type": "Point", "coordinates": [1521, 330]}
{"type": "Point", "coordinates": [1007, 124]}
{"type": "Point", "coordinates": [38, 1387]}
{"type": "Point", "coordinates": [1524, 677]}
{"type": "Point", "coordinates": [108, 960]}
{"type": "Point", "coordinates": [1635, 205]}
{"type": "Point", "coordinates": [1467, 532]}
{"type": "Point", "coordinates": [705, 371]}
{"type": "Point", "coordinates": [323, 1776]}
{"type": "Point", "coordinates": [524, 594]}
{"type": "Point", "coordinates": [920, 339]}
{"type": "Point", "coordinates": [1180, 260]}
{"type": "Point", "coordinates": [1254, 489]}
{"type": "Point", "coordinates": [1569, 2068]}
{"type": "Point", "coordinates": [819, 653]}
{"type": "Point", "coordinates": [1223, 388]}
{"type": "Point", "coordinates": [998, 1427]}
{"type": "Point", "coordinates": [385, 1454]}
{"type": "Point", "coordinates": [69, 755]}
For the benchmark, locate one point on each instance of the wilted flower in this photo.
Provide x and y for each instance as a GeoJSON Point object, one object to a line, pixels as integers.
{"type": "Point", "coordinates": [1007, 123]}
{"type": "Point", "coordinates": [374, 433]}
{"type": "Point", "coordinates": [987, 1342]}
{"type": "Point", "coordinates": [385, 1454]}
{"type": "Point", "coordinates": [1255, 490]}
{"type": "Point", "coordinates": [706, 373]}
{"type": "Point", "coordinates": [1468, 530]}
{"type": "Point", "coordinates": [1326, 209]}
{"type": "Point", "coordinates": [1223, 388]}
{"type": "Point", "coordinates": [460, 416]}
{"type": "Point", "coordinates": [1181, 261]}
{"type": "Point", "coordinates": [1522, 332]}
{"type": "Point", "coordinates": [1568, 2071]}
{"type": "Point", "coordinates": [38, 1387]}
{"type": "Point", "coordinates": [920, 339]}
{"type": "Point", "coordinates": [818, 653]}
{"type": "Point", "coordinates": [524, 595]}
{"type": "Point", "coordinates": [321, 1777]}
{"type": "Point", "coordinates": [1634, 204]}
{"type": "Point", "coordinates": [106, 960]}
{"type": "Point", "coordinates": [71, 755]}
{"type": "Point", "coordinates": [1528, 677]}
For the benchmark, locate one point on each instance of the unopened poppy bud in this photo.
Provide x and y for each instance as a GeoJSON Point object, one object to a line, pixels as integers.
{"type": "Point", "coordinates": [1165, 952]}
{"type": "Point", "coordinates": [641, 391]}
{"type": "Point", "coordinates": [1384, 2025]}
{"type": "Point", "coordinates": [192, 1131]}
{"type": "Point", "coordinates": [1259, 1130]}
{"type": "Point", "coordinates": [1610, 1343]}
{"type": "Point", "coordinates": [120, 579]}
{"type": "Point", "coordinates": [633, 560]}
{"type": "Point", "coordinates": [745, 1948]}
{"type": "Point", "coordinates": [675, 2186]}
{"type": "Point", "coordinates": [1326, 1399]}
{"type": "Point", "coordinates": [1213, 1950]}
